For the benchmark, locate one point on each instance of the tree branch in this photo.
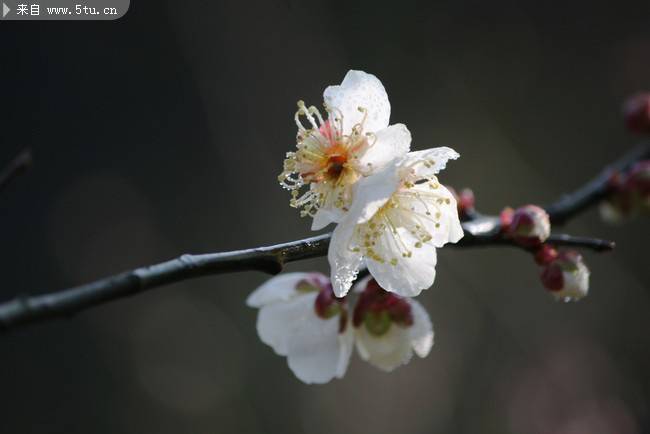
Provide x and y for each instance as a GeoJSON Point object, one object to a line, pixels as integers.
{"type": "Point", "coordinates": [271, 260]}
{"type": "Point", "coordinates": [16, 167]}
{"type": "Point", "coordinates": [595, 190]}
{"type": "Point", "coordinates": [479, 231]}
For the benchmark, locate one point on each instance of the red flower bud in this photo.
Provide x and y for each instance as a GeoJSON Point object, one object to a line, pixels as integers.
{"type": "Point", "coordinates": [636, 111]}
{"type": "Point", "coordinates": [552, 277]}
{"type": "Point", "coordinates": [528, 225]}
{"type": "Point", "coordinates": [638, 184]}
{"type": "Point", "coordinates": [506, 218]}
{"type": "Point", "coordinates": [566, 277]}
{"type": "Point", "coordinates": [466, 201]}
{"type": "Point", "coordinates": [629, 193]}
{"type": "Point", "coordinates": [546, 254]}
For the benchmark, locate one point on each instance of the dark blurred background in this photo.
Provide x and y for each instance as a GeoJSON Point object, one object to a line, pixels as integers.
{"type": "Point", "coordinates": [163, 133]}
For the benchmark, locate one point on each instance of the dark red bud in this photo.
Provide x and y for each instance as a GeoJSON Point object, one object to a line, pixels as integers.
{"type": "Point", "coordinates": [506, 218]}
{"type": "Point", "coordinates": [552, 277]}
{"type": "Point", "coordinates": [636, 111]}
{"type": "Point", "coordinates": [545, 254]}
{"type": "Point", "coordinates": [615, 181]}
{"type": "Point", "coordinates": [466, 201]}
{"type": "Point", "coordinates": [529, 225]}
{"type": "Point", "coordinates": [638, 179]}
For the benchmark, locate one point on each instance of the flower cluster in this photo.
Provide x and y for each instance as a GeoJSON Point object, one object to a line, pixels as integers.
{"type": "Point", "coordinates": [300, 318]}
{"type": "Point", "coordinates": [564, 274]}
{"type": "Point", "coordinates": [353, 168]}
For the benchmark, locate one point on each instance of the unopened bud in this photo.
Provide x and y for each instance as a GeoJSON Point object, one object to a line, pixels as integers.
{"type": "Point", "coordinates": [638, 185]}
{"type": "Point", "coordinates": [464, 200]}
{"type": "Point", "coordinates": [545, 254]}
{"type": "Point", "coordinates": [629, 194]}
{"type": "Point", "coordinates": [529, 225]}
{"type": "Point", "coordinates": [566, 277]}
{"type": "Point", "coordinates": [636, 111]}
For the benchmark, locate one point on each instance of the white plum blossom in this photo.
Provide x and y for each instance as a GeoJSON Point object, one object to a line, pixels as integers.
{"type": "Point", "coordinates": [399, 217]}
{"type": "Point", "coordinates": [389, 328]}
{"type": "Point", "coordinates": [300, 318]}
{"type": "Point", "coordinates": [352, 141]}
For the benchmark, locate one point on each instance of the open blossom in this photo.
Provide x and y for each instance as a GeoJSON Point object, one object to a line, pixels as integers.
{"type": "Point", "coordinates": [566, 276]}
{"type": "Point", "coordinates": [351, 141]}
{"type": "Point", "coordinates": [301, 318]}
{"type": "Point", "coordinates": [399, 217]}
{"type": "Point", "coordinates": [389, 328]}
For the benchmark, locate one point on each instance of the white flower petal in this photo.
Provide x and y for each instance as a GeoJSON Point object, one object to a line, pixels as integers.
{"type": "Point", "coordinates": [360, 89]}
{"type": "Point", "coordinates": [387, 351]}
{"type": "Point", "coordinates": [325, 216]}
{"type": "Point", "coordinates": [344, 262]}
{"type": "Point", "coordinates": [360, 285]}
{"type": "Point", "coordinates": [436, 157]}
{"type": "Point", "coordinates": [391, 143]}
{"type": "Point", "coordinates": [445, 229]}
{"type": "Point", "coordinates": [276, 322]}
{"type": "Point", "coordinates": [278, 288]}
{"type": "Point", "coordinates": [346, 343]}
{"type": "Point", "coordinates": [610, 213]}
{"type": "Point", "coordinates": [316, 352]}
{"type": "Point", "coordinates": [576, 284]}
{"type": "Point", "coordinates": [406, 276]}
{"type": "Point", "coordinates": [371, 193]}
{"type": "Point", "coordinates": [421, 332]}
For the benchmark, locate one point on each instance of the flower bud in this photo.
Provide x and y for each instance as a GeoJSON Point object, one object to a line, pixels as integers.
{"type": "Point", "coordinates": [636, 111]}
{"type": "Point", "coordinates": [545, 254]}
{"type": "Point", "coordinates": [638, 186]}
{"type": "Point", "coordinates": [629, 194]}
{"type": "Point", "coordinates": [566, 277]}
{"type": "Point", "coordinates": [464, 200]}
{"type": "Point", "coordinates": [529, 225]}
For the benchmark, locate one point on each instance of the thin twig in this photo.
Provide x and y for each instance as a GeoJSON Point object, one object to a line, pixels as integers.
{"type": "Point", "coordinates": [16, 167]}
{"type": "Point", "coordinates": [479, 231]}
{"type": "Point", "coordinates": [596, 189]}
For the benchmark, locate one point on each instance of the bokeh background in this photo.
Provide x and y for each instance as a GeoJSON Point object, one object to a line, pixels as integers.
{"type": "Point", "coordinates": [163, 133]}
